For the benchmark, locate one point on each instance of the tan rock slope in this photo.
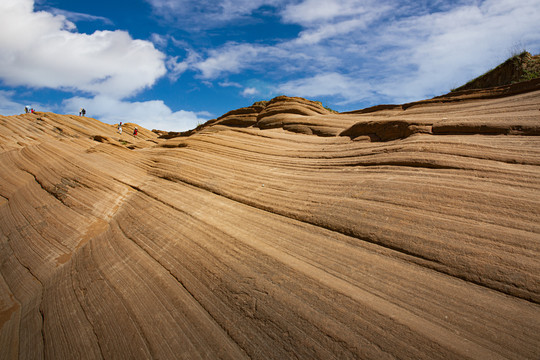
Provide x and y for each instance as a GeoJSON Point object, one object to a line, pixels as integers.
{"type": "Point", "coordinates": [277, 231]}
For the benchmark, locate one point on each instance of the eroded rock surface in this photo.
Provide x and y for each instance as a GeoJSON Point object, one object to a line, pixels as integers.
{"type": "Point", "coordinates": [277, 231]}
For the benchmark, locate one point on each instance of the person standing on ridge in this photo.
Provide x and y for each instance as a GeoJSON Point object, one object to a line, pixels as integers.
{"type": "Point", "coordinates": [120, 128]}
{"type": "Point", "coordinates": [83, 111]}
{"type": "Point", "coordinates": [135, 132]}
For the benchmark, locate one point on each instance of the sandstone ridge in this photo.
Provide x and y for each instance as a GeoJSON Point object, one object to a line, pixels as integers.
{"type": "Point", "coordinates": [379, 123]}
{"type": "Point", "coordinates": [280, 230]}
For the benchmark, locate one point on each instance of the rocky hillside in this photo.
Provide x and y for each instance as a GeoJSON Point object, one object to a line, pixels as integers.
{"type": "Point", "coordinates": [276, 231]}
{"type": "Point", "coordinates": [522, 67]}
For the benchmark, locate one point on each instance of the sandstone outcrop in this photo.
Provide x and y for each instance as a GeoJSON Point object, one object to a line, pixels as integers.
{"type": "Point", "coordinates": [277, 231]}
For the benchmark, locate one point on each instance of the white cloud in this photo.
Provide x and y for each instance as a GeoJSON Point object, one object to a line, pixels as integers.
{"type": "Point", "coordinates": [39, 49]}
{"type": "Point", "coordinates": [314, 36]}
{"type": "Point", "coordinates": [194, 15]}
{"type": "Point", "coordinates": [43, 50]}
{"type": "Point", "coordinates": [435, 52]}
{"type": "Point", "coordinates": [148, 114]}
{"type": "Point", "coordinates": [8, 106]}
{"type": "Point", "coordinates": [75, 16]}
{"type": "Point", "coordinates": [229, 84]}
{"type": "Point", "coordinates": [250, 91]}
{"type": "Point", "coordinates": [368, 52]}
{"type": "Point", "coordinates": [348, 89]}
{"type": "Point", "coordinates": [351, 50]}
{"type": "Point", "coordinates": [302, 54]}
{"type": "Point", "coordinates": [177, 68]}
{"type": "Point", "coordinates": [159, 40]}
{"type": "Point", "coordinates": [231, 58]}
{"type": "Point", "coordinates": [315, 12]}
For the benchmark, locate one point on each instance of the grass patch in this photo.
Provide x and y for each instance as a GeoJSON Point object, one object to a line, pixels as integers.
{"type": "Point", "coordinates": [530, 75]}
{"type": "Point", "coordinates": [523, 66]}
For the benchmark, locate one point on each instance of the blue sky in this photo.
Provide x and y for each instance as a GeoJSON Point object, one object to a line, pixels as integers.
{"type": "Point", "coordinates": [171, 64]}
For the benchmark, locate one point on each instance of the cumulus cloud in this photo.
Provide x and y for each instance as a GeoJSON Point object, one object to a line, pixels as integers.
{"type": "Point", "coordinates": [149, 114]}
{"type": "Point", "coordinates": [44, 50]}
{"type": "Point", "coordinates": [352, 51]}
{"type": "Point", "coordinates": [40, 49]}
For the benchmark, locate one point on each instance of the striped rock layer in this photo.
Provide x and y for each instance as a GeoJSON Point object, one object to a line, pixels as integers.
{"type": "Point", "coordinates": [278, 231]}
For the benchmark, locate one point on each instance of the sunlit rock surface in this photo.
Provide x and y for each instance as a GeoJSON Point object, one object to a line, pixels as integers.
{"type": "Point", "coordinates": [278, 231]}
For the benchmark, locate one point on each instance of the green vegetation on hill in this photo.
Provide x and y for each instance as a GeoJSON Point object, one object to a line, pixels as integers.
{"type": "Point", "coordinates": [518, 68]}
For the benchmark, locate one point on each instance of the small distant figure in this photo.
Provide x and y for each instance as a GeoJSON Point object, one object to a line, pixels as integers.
{"type": "Point", "coordinates": [135, 132]}
{"type": "Point", "coordinates": [120, 128]}
{"type": "Point", "coordinates": [82, 112]}
{"type": "Point", "coordinates": [27, 109]}
{"type": "Point", "coordinates": [32, 110]}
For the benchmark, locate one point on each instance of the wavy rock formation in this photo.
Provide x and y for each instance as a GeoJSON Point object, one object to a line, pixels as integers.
{"type": "Point", "coordinates": [277, 231]}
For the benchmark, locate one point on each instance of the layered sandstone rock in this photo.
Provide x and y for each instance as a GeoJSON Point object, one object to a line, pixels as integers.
{"type": "Point", "coordinates": [281, 230]}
